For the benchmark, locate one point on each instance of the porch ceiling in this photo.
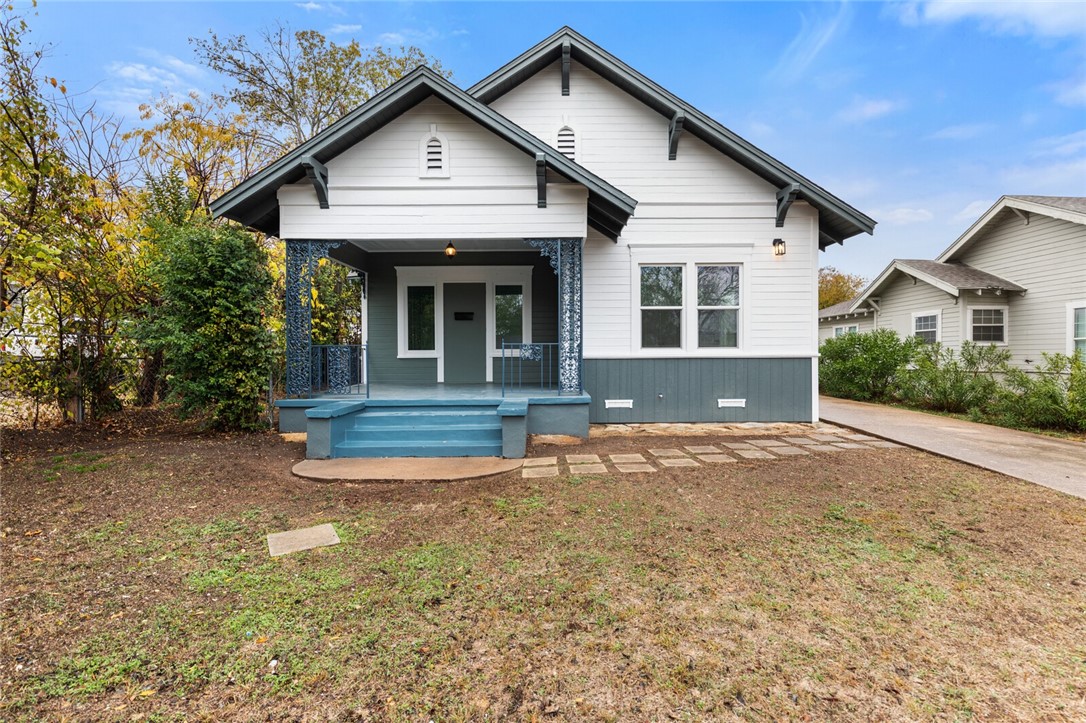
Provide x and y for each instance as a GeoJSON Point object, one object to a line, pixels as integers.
{"type": "Point", "coordinates": [438, 245]}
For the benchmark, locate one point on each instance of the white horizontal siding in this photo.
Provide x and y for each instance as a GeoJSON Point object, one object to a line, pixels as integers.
{"type": "Point", "coordinates": [1048, 258]}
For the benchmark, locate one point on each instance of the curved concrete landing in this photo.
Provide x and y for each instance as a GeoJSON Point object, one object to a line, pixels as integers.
{"type": "Point", "coordinates": [436, 469]}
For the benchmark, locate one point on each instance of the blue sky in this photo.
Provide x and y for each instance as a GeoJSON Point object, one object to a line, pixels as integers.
{"type": "Point", "coordinates": [921, 114]}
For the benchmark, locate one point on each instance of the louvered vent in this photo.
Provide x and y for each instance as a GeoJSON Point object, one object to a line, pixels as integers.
{"type": "Point", "coordinates": [566, 144]}
{"type": "Point", "coordinates": [433, 155]}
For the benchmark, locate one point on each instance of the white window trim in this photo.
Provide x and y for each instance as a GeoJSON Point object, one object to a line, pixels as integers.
{"type": "Point", "coordinates": [690, 258]}
{"type": "Point", "coordinates": [438, 276]}
{"type": "Point", "coordinates": [1071, 306]}
{"type": "Point", "coordinates": [1006, 323]}
{"type": "Point", "coordinates": [853, 328]}
{"type": "Point", "coordinates": [446, 155]}
{"type": "Point", "coordinates": [938, 314]}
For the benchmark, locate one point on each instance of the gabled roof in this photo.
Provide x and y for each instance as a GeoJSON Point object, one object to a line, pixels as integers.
{"type": "Point", "coordinates": [842, 309]}
{"type": "Point", "coordinates": [953, 278]}
{"type": "Point", "coordinates": [1066, 208]}
{"type": "Point", "coordinates": [837, 220]}
{"type": "Point", "coordinates": [254, 202]}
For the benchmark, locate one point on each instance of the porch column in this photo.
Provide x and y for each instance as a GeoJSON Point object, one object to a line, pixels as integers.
{"type": "Point", "coordinates": [565, 258]}
{"type": "Point", "coordinates": [302, 259]}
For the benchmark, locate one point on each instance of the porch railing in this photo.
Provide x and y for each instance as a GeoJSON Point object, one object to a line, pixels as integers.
{"type": "Point", "coordinates": [339, 369]}
{"type": "Point", "coordinates": [529, 366]}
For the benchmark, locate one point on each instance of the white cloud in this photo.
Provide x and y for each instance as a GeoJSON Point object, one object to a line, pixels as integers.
{"type": "Point", "coordinates": [905, 216]}
{"type": "Point", "coordinates": [342, 29]}
{"type": "Point", "coordinates": [1010, 17]}
{"type": "Point", "coordinates": [309, 6]}
{"type": "Point", "coordinates": [1062, 178]}
{"type": "Point", "coordinates": [1071, 144]}
{"type": "Point", "coordinates": [391, 38]}
{"type": "Point", "coordinates": [758, 129]}
{"type": "Point", "coordinates": [409, 36]}
{"type": "Point", "coordinates": [812, 37]}
{"type": "Point", "coordinates": [972, 211]}
{"type": "Point", "coordinates": [1071, 91]}
{"type": "Point", "coordinates": [961, 132]}
{"type": "Point", "coordinates": [865, 109]}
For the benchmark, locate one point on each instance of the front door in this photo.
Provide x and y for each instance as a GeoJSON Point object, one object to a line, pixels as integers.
{"type": "Point", "coordinates": [465, 333]}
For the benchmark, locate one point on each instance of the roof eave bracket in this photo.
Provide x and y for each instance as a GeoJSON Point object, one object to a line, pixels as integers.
{"type": "Point", "coordinates": [541, 180]}
{"type": "Point", "coordinates": [318, 176]}
{"type": "Point", "coordinates": [675, 129]}
{"type": "Point", "coordinates": [566, 48]}
{"type": "Point", "coordinates": [1024, 215]}
{"type": "Point", "coordinates": [785, 197]}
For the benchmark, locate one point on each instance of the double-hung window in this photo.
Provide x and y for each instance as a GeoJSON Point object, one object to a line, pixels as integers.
{"type": "Point", "coordinates": [988, 324]}
{"type": "Point", "coordinates": [675, 316]}
{"type": "Point", "coordinates": [926, 326]}
{"type": "Point", "coordinates": [842, 330]}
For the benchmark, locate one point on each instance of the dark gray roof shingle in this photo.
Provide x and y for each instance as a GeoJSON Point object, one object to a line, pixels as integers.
{"type": "Point", "coordinates": [1067, 203]}
{"type": "Point", "coordinates": [958, 275]}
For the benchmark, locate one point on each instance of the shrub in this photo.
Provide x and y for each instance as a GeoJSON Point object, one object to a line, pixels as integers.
{"type": "Point", "coordinates": [1053, 395]}
{"type": "Point", "coordinates": [863, 366]}
{"type": "Point", "coordinates": [943, 380]}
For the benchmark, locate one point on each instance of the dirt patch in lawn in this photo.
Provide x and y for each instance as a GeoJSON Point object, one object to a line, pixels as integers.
{"type": "Point", "coordinates": [856, 585]}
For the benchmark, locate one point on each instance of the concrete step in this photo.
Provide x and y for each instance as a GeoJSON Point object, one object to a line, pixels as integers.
{"type": "Point", "coordinates": [421, 449]}
{"type": "Point", "coordinates": [425, 432]}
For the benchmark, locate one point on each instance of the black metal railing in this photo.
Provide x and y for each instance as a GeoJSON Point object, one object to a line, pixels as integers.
{"type": "Point", "coordinates": [339, 369]}
{"type": "Point", "coordinates": [529, 366]}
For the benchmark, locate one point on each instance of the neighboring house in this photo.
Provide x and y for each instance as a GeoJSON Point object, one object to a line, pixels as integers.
{"type": "Point", "coordinates": [1015, 278]}
{"type": "Point", "coordinates": [841, 319]}
{"type": "Point", "coordinates": [561, 305]}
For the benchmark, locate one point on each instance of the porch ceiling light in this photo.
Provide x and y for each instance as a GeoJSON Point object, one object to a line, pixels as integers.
{"type": "Point", "coordinates": [778, 247]}
{"type": "Point", "coordinates": [450, 250]}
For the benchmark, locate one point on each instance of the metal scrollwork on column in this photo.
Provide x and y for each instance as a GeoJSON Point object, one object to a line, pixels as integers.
{"type": "Point", "coordinates": [549, 248]}
{"type": "Point", "coordinates": [302, 259]}
{"type": "Point", "coordinates": [570, 322]}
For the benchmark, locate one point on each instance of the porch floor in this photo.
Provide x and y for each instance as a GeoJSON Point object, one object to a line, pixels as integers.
{"type": "Point", "coordinates": [442, 392]}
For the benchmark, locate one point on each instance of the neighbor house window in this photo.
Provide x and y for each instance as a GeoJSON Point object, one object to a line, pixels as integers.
{"type": "Point", "coordinates": [842, 330]}
{"type": "Point", "coordinates": [508, 314]}
{"type": "Point", "coordinates": [421, 318]}
{"type": "Point", "coordinates": [661, 307]}
{"type": "Point", "coordinates": [718, 307]}
{"type": "Point", "coordinates": [1078, 331]}
{"type": "Point", "coordinates": [988, 325]}
{"type": "Point", "coordinates": [926, 326]}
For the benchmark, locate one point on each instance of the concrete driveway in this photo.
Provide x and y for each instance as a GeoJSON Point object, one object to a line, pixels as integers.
{"type": "Point", "coordinates": [1056, 463]}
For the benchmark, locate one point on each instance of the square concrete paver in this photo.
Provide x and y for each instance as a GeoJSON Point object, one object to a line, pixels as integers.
{"type": "Point", "coordinates": [587, 468]}
{"type": "Point", "coordinates": [703, 449]}
{"type": "Point", "coordinates": [799, 440]}
{"type": "Point", "coordinates": [739, 445]}
{"type": "Point", "coordinates": [789, 451]}
{"type": "Point", "coordinates": [678, 462]}
{"type": "Point", "coordinates": [883, 444]}
{"type": "Point", "coordinates": [850, 445]}
{"type": "Point", "coordinates": [716, 458]}
{"type": "Point", "coordinates": [666, 453]}
{"type": "Point", "coordinates": [826, 437]}
{"type": "Point", "coordinates": [627, 458]}
{"type": "Point", "coordinates": [281, 543]}
{"type": "Point", "coordinates": [825, 448]}
{"type": "Point", "coordinates": [582, 458]}
{"type": "Point", "coordinates": [533, 472]}
{"type": "Point", "coordinates": [754, 454]}
{"type": "Point", "coordinates": [767, 442]}
{"type": "Point", "coordinates": [635, 468]}
{"type": "Point", "coordinates": [540, 461]}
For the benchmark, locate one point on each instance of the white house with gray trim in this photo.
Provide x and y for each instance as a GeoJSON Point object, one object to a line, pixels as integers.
{"type": "Point", "coordinates": [1015, 278]}
{"type": "Point", "coordinates": [564, 242]}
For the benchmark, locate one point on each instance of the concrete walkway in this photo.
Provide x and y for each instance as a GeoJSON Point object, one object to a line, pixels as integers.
{"type": "Point", "coordinates": [435, 469]}
{"type": "Point", "coordinates": [1056, 463]}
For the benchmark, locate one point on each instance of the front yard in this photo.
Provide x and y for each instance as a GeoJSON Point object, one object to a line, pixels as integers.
{"type": "Point", "coordinates": [860, 585]}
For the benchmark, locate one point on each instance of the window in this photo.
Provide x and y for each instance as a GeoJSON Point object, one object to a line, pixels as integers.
{"type": "Point", "coordinates": [1076, 320]}
{"type": "Point", "coordinates": [988, 325]}
{"type": "Point", "coordinates": [842, 330]}
{"type": "Point", "coordinates": [926, 326]}
{"type": "Point", "coordinates": [718, 307]}
{"type": "Point", "coordinates": [567, 143]}
{"type": "Point", "coordinates": [508, 314]}
{"type": "Point", "coordinates": [420, 318]}
{"type": "Point", "coordinates": [661, 307]}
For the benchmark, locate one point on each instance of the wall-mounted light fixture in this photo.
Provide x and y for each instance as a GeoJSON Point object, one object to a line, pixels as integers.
{"type": "Point", "coordinates": [450, 250]}
{"type": "Point", "coordinates": [778, 247]}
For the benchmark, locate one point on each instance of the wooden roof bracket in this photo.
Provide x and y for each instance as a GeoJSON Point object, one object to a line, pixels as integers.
{"type": "Point", "coordinates": [785, 197]}
{"type": "Point", "coordinates": [1024, 215]}
{"type": "Point", "coordinates": [566, 48]}
{"type": "Point", "coordinates": [674, 130]}
{"type": "Point", "coordinates": [541, 180]}
{"type": "Point", "coordinates": [318, 176]}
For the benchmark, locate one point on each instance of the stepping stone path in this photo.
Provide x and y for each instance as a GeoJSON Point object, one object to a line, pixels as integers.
{"type": "Point", "coordinates": [741, 450]}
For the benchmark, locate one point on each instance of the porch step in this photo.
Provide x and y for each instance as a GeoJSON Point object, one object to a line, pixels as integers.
{"type": "Point", "coordinates": [424, 430]}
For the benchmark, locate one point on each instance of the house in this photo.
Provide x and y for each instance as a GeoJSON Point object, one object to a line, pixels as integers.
{"type": "Point", "coordinates": [565, 242]}
{"type": "Point", "coordinates": [1015, 278]}
{"type": "Point", "coordinates": [840, 319]}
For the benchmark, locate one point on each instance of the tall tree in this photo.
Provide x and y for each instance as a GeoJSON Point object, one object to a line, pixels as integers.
{"type": "Point", "coordinates": [836, 286]}
{"type": "Point", "coordinates": [294, 84]}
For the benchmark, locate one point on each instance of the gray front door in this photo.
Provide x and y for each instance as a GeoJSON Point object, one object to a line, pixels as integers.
{"type": "Point", "coordinates": [465, 333]}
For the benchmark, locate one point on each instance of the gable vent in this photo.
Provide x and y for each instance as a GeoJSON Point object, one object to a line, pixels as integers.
{"type": "Point", "coordinates": [567, 145]}
{"type": "Point", "coordinates": [433, 155]}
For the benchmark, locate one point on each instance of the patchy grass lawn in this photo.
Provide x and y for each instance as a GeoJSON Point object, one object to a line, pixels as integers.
{"type": "Point", "coordinates": [862, 585]}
